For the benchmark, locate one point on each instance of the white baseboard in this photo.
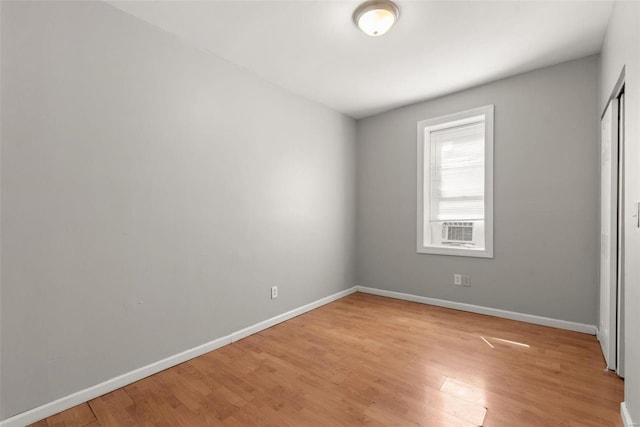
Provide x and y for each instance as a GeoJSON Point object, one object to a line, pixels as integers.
{"type": "Point", "coordinates": [626, 417]}
{"type": "Point", "coordinates": [236, 336]}
{"type": "Point", "coordinates": [51, 408]}
{"type": "Point", "coordinates": [522, 317]}
{"type": "Point", "coordinates": [64, 403]}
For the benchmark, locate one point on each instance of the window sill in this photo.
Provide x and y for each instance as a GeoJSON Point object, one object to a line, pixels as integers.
{"type": "Point", "coordinates": [465, 252]}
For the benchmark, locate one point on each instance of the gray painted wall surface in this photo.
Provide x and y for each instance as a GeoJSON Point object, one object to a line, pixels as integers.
{"type": "Point", "coordinates": [621, 47]}
{"type": "Point", "coordinates": [151, 195]}
{"type": "Point", "coordinates": [545, 198]}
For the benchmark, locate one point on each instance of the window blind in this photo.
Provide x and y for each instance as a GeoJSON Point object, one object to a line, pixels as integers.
{"type": "Point", "coordinates": [457, 172]}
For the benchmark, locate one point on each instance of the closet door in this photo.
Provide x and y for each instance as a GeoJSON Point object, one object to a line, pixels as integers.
{"type": "Point", "coordinates": [607, 324]}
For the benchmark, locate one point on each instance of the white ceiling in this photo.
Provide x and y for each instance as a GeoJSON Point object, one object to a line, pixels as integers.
{"type": "Point", "coordinates": [313, 49]}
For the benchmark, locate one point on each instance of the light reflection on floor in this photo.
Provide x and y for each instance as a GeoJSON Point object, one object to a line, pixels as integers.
{"type": "Point", "coordinates": [504, 341]}
{"type": "Point", "coordinates": [465, 401]}
{"type": "Point", "coordinates": [488, 343]}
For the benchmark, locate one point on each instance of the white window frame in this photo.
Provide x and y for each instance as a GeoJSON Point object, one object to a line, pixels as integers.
{"type": "Point", "coordinates": [424, 181]}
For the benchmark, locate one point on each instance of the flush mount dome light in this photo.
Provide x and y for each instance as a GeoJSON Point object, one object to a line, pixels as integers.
{"type": "Point", "coordinates": [376, 17]}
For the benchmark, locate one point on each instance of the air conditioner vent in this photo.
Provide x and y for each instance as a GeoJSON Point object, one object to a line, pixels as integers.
{"type": "Point", "coordinates": [457, 232]}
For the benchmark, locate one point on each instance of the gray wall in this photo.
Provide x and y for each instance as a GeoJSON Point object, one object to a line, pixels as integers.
{"type": "Point", "coordinates": [151, 195]}
{"type": "Point", "coordinates": [545, 198]}
{"type": "Point", "coordinates": [621, 48]}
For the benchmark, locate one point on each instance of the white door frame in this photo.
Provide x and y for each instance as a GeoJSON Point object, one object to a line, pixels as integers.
{"type": "Point", "coordinates": [621, 228]}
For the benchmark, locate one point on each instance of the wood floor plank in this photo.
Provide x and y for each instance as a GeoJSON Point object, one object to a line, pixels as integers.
{"type": "Point", "coordinates": [366, 360]}
{"type": "Point", "coordinates": [113, 408]}
{"type": "Point", "coordinates": [80, 415]}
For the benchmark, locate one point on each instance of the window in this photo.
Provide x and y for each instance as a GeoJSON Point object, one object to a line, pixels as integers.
{"type": "Point", "coordinates": [455, 184]}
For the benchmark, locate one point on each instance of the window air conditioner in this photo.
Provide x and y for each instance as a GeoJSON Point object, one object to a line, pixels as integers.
{"type": "Point", "coordinates": [454, 232]}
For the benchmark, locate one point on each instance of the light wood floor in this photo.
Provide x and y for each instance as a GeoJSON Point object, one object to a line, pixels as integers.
{"type": "Point", "coordinates": [368, 360]}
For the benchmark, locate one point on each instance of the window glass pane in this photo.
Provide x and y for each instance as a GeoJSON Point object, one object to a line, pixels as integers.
{"type": "Point", "coordinates": [457, 173]}
{"type": "Point", "coordinates": [458, 210]}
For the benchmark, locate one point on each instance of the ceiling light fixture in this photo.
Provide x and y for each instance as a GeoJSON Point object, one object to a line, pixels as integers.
{"type": "Point", "coordinates": [376, 17]}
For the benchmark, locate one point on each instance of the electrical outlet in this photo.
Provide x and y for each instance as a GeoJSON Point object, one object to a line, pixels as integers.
{"type": "Point", "coordinates": [274, 292]}
{"type": "Point", "coordinates": [457, 279]}
{"type": "Point", "coordinates": [466, 280]}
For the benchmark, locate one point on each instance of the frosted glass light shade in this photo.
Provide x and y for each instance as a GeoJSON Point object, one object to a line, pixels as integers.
{"type": "Point", "coordinates": [376, 17]}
